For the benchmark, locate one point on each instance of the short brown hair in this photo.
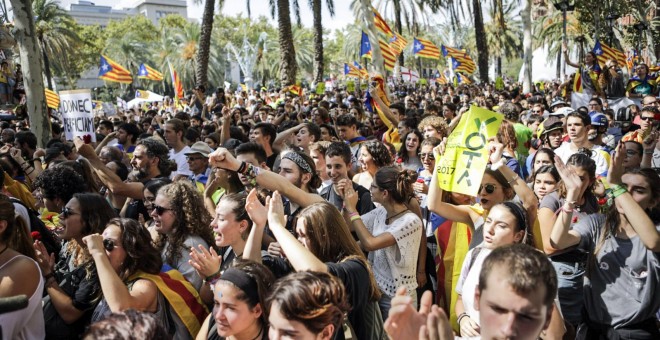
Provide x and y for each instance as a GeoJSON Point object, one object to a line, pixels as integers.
{"type": "Point", "coordinates": [528, 269]}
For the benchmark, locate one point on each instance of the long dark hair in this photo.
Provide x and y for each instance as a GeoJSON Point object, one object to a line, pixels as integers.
{"type": "Point", "coordinates": [397, 182]}
{"type": "Point", "coordinates": [15, 235]}
{"type": "Point", "coordinates": [141, 254]}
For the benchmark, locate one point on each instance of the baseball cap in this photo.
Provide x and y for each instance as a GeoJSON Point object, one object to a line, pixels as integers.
{"type": "Point", "coordinates": [564, 111]}
{"type": "Point", "coordinates": [598, 119]}
{"type": "Point", "coordinates": [551, 124]}
{"type": "Point", "coordinates": [200, 148]}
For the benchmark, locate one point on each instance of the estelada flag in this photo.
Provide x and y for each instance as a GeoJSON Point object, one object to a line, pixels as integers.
{"type": "Point", "coordinates": [398, 43]}
{"type": "Point", "coordinates": [605, 52]}
{"type": "Point", "coordinates": [111, 71]}
{"type": "Point", "coordinates": [52, 99]}
{"type": "Point", "coordinates": [424, 48]}
{"type": "Point", "coordinates": [351, 71]}
{"type": "Point", "coordinates": [176, 83]}
{"type": "Point", "coordinates": [147, 72]}
{"type": "Point", "coordinates": [361, 70]}
{"type": "Point", "coordinates": [389, 58]}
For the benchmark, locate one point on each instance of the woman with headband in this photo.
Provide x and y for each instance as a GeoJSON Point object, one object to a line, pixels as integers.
{"type": "Point", "coordinates": [239, 311]}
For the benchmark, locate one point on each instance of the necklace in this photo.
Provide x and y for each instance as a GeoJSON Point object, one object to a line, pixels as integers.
{"type": "Point", "coordinates": [389, 219]}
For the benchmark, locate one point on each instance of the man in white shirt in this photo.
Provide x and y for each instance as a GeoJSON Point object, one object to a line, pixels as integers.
{"type": "Point", "coordinates": [577, 126]}
{"type": "Point", "coordinates": [173, 133]}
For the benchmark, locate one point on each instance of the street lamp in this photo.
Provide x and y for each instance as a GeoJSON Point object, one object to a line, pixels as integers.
{"type": "Point", "coordinates": [611, 21]}
{"type": "Point", "coordinates": [640, 27]}
{"type": "Point", "coordinates": [564, 6]}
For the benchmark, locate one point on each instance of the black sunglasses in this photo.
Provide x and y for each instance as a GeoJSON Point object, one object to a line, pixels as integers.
{"type": "Point", "coordinates": [160, 210]}
{"type": "Point", "coordinates": [425, 155]}
{"type": "Point", "coordinates": [66, 212]}
{"type": "Point", "coordinates": [490, 188]}
{"type": "Point", "coordinates": [109, 244]}
{"type": "Point", "coordinates": [646, 118]}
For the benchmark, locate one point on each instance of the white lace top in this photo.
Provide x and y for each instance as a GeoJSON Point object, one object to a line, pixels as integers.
{"type": "Point", "coordinates": [396, 265]}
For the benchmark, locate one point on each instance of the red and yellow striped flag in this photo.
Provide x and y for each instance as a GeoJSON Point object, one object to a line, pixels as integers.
{"type": "Point", "coordinates": [147, 72]}
{"type": "Point", "coordinates": [52, 99]}
{"type": "Point", "coordinates": [424, 48]}
{"type": "Point", "coordinates": [111, 71]}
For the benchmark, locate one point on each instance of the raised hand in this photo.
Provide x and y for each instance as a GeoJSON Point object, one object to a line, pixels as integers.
{"type": "Point", "coordinates": [276, 215]}
{"type": "Point", "coordinates": [348, 194]}
{"type": "Point", "coordinates": [222, 158]}
{"type": "Point", "coordinates": [46, 261]}
{"type": "Point", "coordinates": [205, 263]}
{"type": "Point", "coordinates": [94, 243]}
{"type": "Point", "coordinates": [571, 180]}
{"type": "Point", "coordinates": [257, 212]}
{"type": "Point", "coordinates": [615, 172]}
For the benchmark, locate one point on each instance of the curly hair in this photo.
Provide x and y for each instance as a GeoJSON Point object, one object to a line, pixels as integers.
{"type": "Point", "coordinates": [141, 253]}
{"type": "Point", "coordinates": [60, 182]}
{"type": "Point", "coordinates": [379, 153]}
{"type": "Point", "coordinates": [84, 169]}
{"type": "Point", "coordinates": [436, 122]}
{"type": "Point", "coordinates": [191, 218]}
{"type": "Point", "coordinates": [313, 299]}
{"type": "Point", "coordinates": [156, 148]}
{"type": "Point", "coordinates": [128, 324]}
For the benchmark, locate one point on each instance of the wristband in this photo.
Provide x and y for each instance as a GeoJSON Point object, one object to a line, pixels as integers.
{"type": "Point", "coordinates": [618, 190]}
{"type": "Point", "coordinates": [460, 317]}
{"type": "Point", "coordinates": [649, 151]}
{"type": "Point", "coordinates": [355, 218]}
{"type": "Point", "coordinates": [241, 168]}
{"type": "Point", "coordinates": [515, 178]}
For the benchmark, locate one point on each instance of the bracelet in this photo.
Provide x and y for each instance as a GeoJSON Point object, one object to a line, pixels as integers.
{"type": "Point", "coordinates": [211, 279]}
{"type": "Point", "coordinates": [251, 173]}
{"type": "Point", "coordinates": [515, 178]}
{"type": "Point", "coordinates": [355, 218]}
{"type": "Point", "coordinates": [649, 151]}
{"type": "Point", "coordinates": [618, 190]}
{"type": "Point", "coordinates": [355, 213]}
{"type": "Point", "coordinates": [25, 165]}
{"type": "Point", "coordinates": [241, 168]}
{"type": "Point", "coordinates": [460, 317]}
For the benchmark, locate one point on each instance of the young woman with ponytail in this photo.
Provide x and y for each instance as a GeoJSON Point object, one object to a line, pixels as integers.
{"type": "Point", "coordinates": [390, 233]}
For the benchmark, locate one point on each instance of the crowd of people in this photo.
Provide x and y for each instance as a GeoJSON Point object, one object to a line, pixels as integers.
{"type": "Point", "coordinates": [260, 214]}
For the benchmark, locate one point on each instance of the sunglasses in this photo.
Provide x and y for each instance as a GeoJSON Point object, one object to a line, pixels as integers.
{"type": "Point", "coordinates": [490, 188]}
{"type": "Point", "coordinates": [67, 212]}
{"type": "Point", "coordinates": [537, 111]}
{"type": "Point", "coordinates": [109, 244]}
{"type": "Point", "coordinates": [427, 155]}
{"type": "Point", "coordinates": [160, 210]}
{"type": "Point", "coordinates": [646, 118]}
{"type": "Point", "coordinates": [651, 103]}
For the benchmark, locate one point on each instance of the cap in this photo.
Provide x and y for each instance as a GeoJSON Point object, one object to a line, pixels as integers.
{"type": "Point", "coordinates": [598, 119]}
{"type": "Point", "coordinates": [200, 148]}
{"type": "Point", "coordinates": [557, 101]}
{"type": "Point", "coordinates": [551, 124]}
{"type": "Point", "coordinates": [564, 111]}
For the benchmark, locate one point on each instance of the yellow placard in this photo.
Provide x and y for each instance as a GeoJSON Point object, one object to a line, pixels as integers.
{"type": "Point", "coordinates": [462, 166]}
{"type": "Point", "coordinates": [320, 88]}
{"type": "Point", "coordinates": [350, 86]}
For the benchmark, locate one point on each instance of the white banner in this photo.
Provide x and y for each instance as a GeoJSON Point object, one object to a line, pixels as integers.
{"type": "Point", "coordinates": [582, 99]}
{"type": "Point", "coordinates": [77, 116]}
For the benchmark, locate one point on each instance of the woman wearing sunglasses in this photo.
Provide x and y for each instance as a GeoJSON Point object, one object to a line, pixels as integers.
{"type": "Point", "coordinates": [498, 184]}
{"type": "Point", "coordinates": [72, 284]}
{"type": "Point", "coordinates": [182, 222]}
{"type": "Point", "coordinates": [150, 191]}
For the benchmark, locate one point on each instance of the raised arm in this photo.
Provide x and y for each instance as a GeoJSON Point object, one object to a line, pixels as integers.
{"type": "Point", "coordinates": [225, 132]}
{"type": "Point", "coordinates": [456, 213]}
{"type": "Point", "coordinates": [278, 144]}
{"type": "Point", "coordinates": [300, 257]}
{"type": "Point", "coordinates": [391, 118]}
{"type": "Point", "coordinates": [141, 297]}
{"type": "Point", "coordinates": [568, 61]}
{"type": "Point", "coordinates": [107, 176]}
{"type": "Point", "coordinates": [368, 241]}
{"type": "Point", "coordinates": [266, 179]}
{"type": "Point", "coordinates": [527, 196]}
{"type": "Point", "coordinates": [635, 214]}
{"type": "Point", "coordinates": [105, 142]}
{"type": "Point", "coordinates": [561, 237]}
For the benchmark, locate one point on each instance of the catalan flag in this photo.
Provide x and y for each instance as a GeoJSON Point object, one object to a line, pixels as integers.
{"type": "Point", "coordinates": [52, 99]}
{"type": "Point", "coordinates": [604, 52]}
{"type": "Point", "coordinates": [111, 71]}
{"type": "Point", "coordinates": [296, 90]}
{"type": "Point", "coordinates": [577, 83]}
{"type": "Point", "coordinates": [463, 79]}
{"type": "Point", "coordinates": [398, 43]}
{"type": "Point", "coordinates": [461, 56]}
{"type": "Point", "coordinates": [176, 83]}
{"type": "Point", "coordinates": [351, 71]}
{"type": "Point", "coordinates": [363, 72]}
{"type": "Point", "coordinates": [389, 59]}
{"type": "Point", "coordinates": [147, 72]}
{"type": "Point", "coordinates": [381, 24]}
{"type": "Point", "coordinates": [425, 49]}
{"type": "Point", "coordinates": [459, 66]}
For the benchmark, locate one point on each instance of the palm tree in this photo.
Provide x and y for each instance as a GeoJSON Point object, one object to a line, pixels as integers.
{"type": "Point", "coordinates": [318, 35]}
{"type": "Point", "coordinates": [503, 33]}
{"type": "Point", "coordinates": [201, 71]}
{"type": "Point", "coordinates": [482, 44]}
{"type": "Point", "coordinates": [53, 30]}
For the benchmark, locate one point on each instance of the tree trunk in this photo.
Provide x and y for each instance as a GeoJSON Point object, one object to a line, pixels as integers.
{"type": "Point", "coordinates": [288, 66]}
{"type": "Point", "coordinates": [28, 47]}
{"type": "Point", "coordinates": [398, 24]}
{"type": "Point", "coordinates": [559, 64]}
{"type": "Point", "coordinates": [201, 71]}
{"type": "Point", "coordinates": [49, 75]}
{"type": "Point", "coordinates": [527, 45]}
{"type": "Point", "coordinates": [498, 66]}
{"type": "Point", "coordinates": [482, 44]}
{"type": "Point", "coordinates": [318, 41]}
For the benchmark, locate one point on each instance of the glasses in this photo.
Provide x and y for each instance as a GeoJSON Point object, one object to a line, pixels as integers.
{"type": "Point", "coordinates": [109, 244]}
{"type": "Point", "coordinates": [160, 210]}
{"type": "Point", "coordinates": [537, 111]}
{"type": "Point", "coordinates": [490, 188]}
{"type": "Point", "coordinates": [427, 155]}
{"type": "Point", "coordinates": [67, 212]}
{"type": "Point", "coordinates": [651, 103]}
{"type": "Point", "coordinates": [647, 118]}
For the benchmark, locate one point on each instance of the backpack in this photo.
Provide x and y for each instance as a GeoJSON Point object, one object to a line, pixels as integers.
{"type": "Point", "coordinates": [48, 238]}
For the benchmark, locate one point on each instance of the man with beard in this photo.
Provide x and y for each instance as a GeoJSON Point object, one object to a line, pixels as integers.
{"type": "Point", "coordinates": [150, 160]}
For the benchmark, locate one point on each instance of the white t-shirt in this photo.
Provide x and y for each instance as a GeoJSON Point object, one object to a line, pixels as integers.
{"type": "Point", "coordinates": [396, 265]}
{"type": "Point", "coordinates": [181, 162]}
{"type": "Point", "coordinates": [565, 151]}
{"type": "Point", "coordinates": [468, 281]}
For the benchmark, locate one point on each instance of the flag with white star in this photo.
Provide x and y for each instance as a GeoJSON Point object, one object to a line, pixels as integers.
{"type": "Point", "coordinates": [111, 71]}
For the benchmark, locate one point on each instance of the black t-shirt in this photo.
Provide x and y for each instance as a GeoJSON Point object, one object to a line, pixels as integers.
{"type": "Point", "coordinates": [364, 203]}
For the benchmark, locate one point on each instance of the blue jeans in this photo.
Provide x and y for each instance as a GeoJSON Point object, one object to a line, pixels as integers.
{"type": "Point", "coordinates": [570, 276]}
